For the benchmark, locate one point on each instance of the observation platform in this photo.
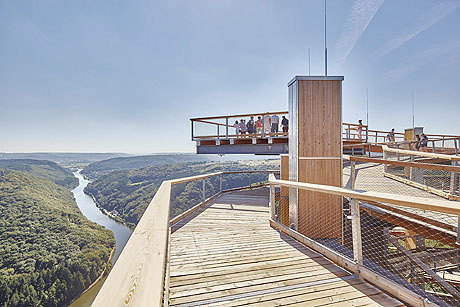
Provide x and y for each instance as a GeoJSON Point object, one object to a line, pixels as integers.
{"type": "Point", "coordinates": [226, 254]}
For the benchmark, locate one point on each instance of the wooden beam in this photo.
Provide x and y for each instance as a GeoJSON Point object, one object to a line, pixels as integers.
{"type": "Point", "coordinates": [440, 167]}
{"type": "Point", "coordinates": [437, 205]}
{"type": "Point", "coordinates": [421, 153]}
{"type": "Point", "coordinates": [239, 115]}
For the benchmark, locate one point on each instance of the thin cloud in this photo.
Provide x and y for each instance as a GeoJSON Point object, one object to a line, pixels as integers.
{"type": "Point", "coordinates": [435, 14]}
{"type": "Point", "coordinates": [362, 13]}
{"type": "Point", "coordinates": [448, 53]}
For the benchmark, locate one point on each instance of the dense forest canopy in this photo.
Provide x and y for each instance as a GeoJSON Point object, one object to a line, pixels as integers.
{"type": "Point", "coordinates": [42, 168]}
{"type": "Point", "coordinates": [49, 252]}
{"type": "Point", "coordinates": [127, 193]}
{"type": "Point", "coordinates": [123, 163]}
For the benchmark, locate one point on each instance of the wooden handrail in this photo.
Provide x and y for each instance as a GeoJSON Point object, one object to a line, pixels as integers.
{"type": "Point", "coordinates": [238, 115]}
{"type": "Point", "coordinates": [138, 275]}
{"type": "Point", "coordinates": [421, 153]}
{"type": "Point", "coordinates": [440, 167]}
{"type": "Point", "coordinates": [437, 205]}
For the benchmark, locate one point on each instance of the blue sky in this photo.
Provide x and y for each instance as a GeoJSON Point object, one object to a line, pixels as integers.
{"type": "Point", "coordinates": [125, 76]}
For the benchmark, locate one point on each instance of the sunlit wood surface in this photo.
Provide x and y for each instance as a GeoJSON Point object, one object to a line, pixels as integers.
{"type": "Point", "coordinates": [226, 254]}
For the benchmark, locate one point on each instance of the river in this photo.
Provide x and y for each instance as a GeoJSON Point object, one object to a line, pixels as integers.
{"type": "Point", "coordinates": [92, 212]}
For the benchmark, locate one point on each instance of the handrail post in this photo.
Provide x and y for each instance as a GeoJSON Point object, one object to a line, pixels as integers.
{"type": "Point", "coordinates": [356, 231]}
{"type": "Point", "coordinates": [218, 136]}
{"type": "Point", "coordinates": [204, 189]}
{"type": "Point", "coordinates": [434, 148]}
{"type": "Point", "coordinates": [353, 174]}
{"type": "Point", "coordinates": [367, 134]}
{"type": "Point", "coordinates": [411, 170]}
{"type": "Point", "coordinates": [263, 126]}
{"type": "Point", "coordinates": [272, 202]}
{"type": "Point", "coordinates": [193, 137]}
{"type": "Point", "coordinates": [221, 179]}
{"type": "Point", "coordinates": [456, 146]}
{"type": "Point", "coordinates": [226, 128]}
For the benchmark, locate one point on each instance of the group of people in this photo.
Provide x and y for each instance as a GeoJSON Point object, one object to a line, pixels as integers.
{"type": "Point", "coordinates": [266, 123]}
{"type": "Point", "coordinates": [422, 141]}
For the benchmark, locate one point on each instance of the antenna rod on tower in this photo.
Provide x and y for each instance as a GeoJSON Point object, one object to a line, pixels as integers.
{"type": "Point", "coordinates": [413, 110]}
{"type": "Point", "coordinates": [367, 108]}
{"type": "Point", "coordinates": [325, 38]}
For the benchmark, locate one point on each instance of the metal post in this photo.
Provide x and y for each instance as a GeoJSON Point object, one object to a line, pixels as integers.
{"type": "Point", "coordinates": [221, 179]}
{"type": "Point", "coordinates": [412, 174]}
{"type": "Point", "coordinates": [349, 132]}
{"type": "Point", "coordinates": [377, 137]}
{"type": "Point", "coordinates": [263, 126]}
{"type": "Point", "coordinates": [356, 232]}
{"type": "Point", "coordinates": [453, 176]}
{"type": "Point", "coordinates": [353, 174]}
{"type": "Point", "coordinates": [434, 147]}
{"type": "Point", "coordinates": [385, 167]}
{"type": "Point", "coordinates": [226, 127]}
{"type": "Point", "coordinates": [272, 202]}
{"type": "Point", "coordinates": [218, 136]}
{"type": "Point", "coordinates": [367, 134]}
{"type": "Point", "coordinates": [456, 146]}
{"type": "Point", "coordinates": [443, 142]}
{"type": "Point", "coordinates": [204, 189]}
{"type": "Point", "coordinates": [192, 129]}
{"type": "Point", "coordinates": [369, 149]}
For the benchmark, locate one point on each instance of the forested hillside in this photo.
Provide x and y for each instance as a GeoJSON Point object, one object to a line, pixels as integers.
{"type": "Point", "coordinates": [49, 252]}
{"type": "Point", "coordinates": [127, 193]}
{"type": "Point", "coordinates": [106, 166]}
{"type": "Point", "coordinates": [42, 168]}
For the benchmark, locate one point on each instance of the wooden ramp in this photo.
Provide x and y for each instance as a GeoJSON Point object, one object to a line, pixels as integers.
{"type": "Point", "coordinates": [228, 255]}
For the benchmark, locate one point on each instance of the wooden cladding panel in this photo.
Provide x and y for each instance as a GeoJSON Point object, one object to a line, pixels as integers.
{"type": "Point", "coordinates": [319, 119]}
{"type": "Point", "coordinates": [285, 190]}
{"type": "Point", "coordinates": [320, 214]}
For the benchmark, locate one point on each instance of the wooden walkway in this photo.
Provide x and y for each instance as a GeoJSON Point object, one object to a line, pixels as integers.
{"type": "Point", "coordinates": [228, 255]}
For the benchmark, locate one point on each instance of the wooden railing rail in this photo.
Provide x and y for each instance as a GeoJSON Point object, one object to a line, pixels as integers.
{"type": "Point", "coordinates": [439, 167]}
{"type": "Point", "coordinates": [420, 153]}
{"type": "Point", "coordinates": [141, 273]}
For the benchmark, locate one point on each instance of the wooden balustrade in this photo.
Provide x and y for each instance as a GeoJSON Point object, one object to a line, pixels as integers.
{"type": "Point", "coordinates": [140, 274]}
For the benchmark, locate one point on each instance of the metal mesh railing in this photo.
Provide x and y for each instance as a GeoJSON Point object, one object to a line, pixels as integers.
{"type": "Point", "coordinates": [413, 247]}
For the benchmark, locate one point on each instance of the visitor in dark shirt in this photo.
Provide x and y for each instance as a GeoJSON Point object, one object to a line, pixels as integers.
{"type": "Point", "coordinates": [285, 124]}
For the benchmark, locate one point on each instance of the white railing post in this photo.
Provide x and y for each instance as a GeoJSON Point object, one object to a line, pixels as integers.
{"type": "Point", "coordinates": [204, 189]}
{"type": "Point", "coordinates": [263, 126]}
{"type": "Point", "coordinates": [226, 127]}
{"type": "Point", "coordinates": [356, 231]}
{"type": "Point", "coordinates": [272, 202]}
{"type": "Point", "coordinates": [411, 170]}
{"type": "Point", "coordinates": [192, 129]}
{"type": "Point", "coordinates": [221, 179]}
{"type": "Point", "coordinates": [353, 174]}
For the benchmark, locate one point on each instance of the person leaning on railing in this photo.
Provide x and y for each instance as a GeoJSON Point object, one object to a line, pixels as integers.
{"type": "Point", "coordinates": [391, 135]}
{"type": "Point", "coordinates": [251, 126]}
{"type": "Point", "coordinates": [275, 121]}
{"type": "Point", "coordinates": [360, 129]}
{"type": "Point", "coordinates": [417, 144]}
{"type": "Point", "coordinates": [424, 141]}
{"type": "Point", "coordinates": [259, 125]}
{"type": "Point", "coordinates": [237, 128]}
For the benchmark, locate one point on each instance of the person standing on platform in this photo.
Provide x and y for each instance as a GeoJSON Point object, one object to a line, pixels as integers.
{"type": "Point", "coordinates": [251, 126]}
{"type": "Point", "coordinates": [259, 125]}
{"type": "Point", "coordinates": [360, 129]}
{"type": "Point", "coordinates": [243, 127]}
{"type": "Point", "coordinates": [285, 124]}
{"type": "Point", "coordinates": [275, 121]}
{"type": "Point", "coordinates": [391, 135]}
{"type": "Point", "coordinates": [424, 141]}
{"type": "Point", "coordinates": [237, 128]}
{"type": "Point", "coordinates": [417, 144]}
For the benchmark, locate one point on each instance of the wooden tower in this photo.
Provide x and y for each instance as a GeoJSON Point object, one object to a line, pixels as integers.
{"type": "Point", "coordinates": [315, 154]}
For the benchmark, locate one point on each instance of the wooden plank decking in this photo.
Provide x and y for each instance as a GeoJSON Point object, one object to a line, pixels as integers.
{"type": "Point", "coordinates": [226, 254]}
